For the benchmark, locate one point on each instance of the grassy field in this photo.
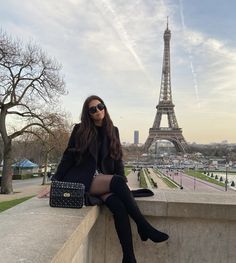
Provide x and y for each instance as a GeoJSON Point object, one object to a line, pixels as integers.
{"type": "Point", "coordinates": [148, 177]}
{"type": "Point", "coordinates": [8, 204]}
{"type": "Point", "coordinates": [165, 180]}
{"type": "Point", "coordinates": [127, 170]}
{"type": "Point", "coordinates": [203, 177]}
{"type": "Point", "coordinates": [143, 183]}
{"type": "Point", "coordinates": [168, 183]}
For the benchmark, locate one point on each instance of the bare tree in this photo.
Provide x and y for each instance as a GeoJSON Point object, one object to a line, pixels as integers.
{"type": "Point", "coordinates": [1, 150]}
{"type": "Point", "coordinates": [30, 84]}
{"type": "Point", "coordinates": [56, 140]}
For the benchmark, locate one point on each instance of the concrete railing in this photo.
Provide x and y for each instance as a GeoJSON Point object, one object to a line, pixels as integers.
{"type": "Point", "coordinates": [202, 228]}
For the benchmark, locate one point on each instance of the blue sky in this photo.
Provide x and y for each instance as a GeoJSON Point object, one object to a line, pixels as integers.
{"type": "Point", "coordinates": [114, 48]}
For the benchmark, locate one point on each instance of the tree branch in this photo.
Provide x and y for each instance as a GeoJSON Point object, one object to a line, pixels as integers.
{"type": "Point", "coordinates": [20, 132]}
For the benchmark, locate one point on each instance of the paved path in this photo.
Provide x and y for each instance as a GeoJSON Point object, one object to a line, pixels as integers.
{"type": "Point", "coordinates": [133, 182]}
{"type": "Point", "coordinates": [191, 183]}
{"type": "Point", "coordinates": [157, 178]}
{"type": "Point", "coordinates": [24, 188]}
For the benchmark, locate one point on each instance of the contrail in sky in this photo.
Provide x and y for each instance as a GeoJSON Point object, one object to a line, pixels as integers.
{"type": "Point", "coordinates": [125, 38]}
{"type": "Point", "coordinates": [194, 74]}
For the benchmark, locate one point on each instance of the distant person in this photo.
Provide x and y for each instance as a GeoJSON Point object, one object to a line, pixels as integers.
{"type": "Point", "coordinates": [49, 174]}
{"type": "Point", "coordinates": [94, 157]}
{"type": "Point", "coordinates": [138, 175]}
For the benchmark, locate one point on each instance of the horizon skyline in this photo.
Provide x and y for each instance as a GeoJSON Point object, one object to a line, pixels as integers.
{"type": "Point", "coordinates": [223, 142]}
{"type": "Point", "coordinates": [115, 49]}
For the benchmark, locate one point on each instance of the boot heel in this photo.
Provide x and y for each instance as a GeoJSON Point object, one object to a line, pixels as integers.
{"type": "Point", "coordinates": [154, 235]}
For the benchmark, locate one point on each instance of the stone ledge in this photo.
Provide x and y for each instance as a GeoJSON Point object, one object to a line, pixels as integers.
{"type": "Point", "coordinates": [35, 232]}
{"type": "Point", "coordinates": [179, 203]}
{"type": "Point", "coordinates": [188, 210]}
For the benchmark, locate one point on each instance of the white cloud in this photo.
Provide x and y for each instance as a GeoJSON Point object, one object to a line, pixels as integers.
{"type": "Point", "coordinates": [115, 49]}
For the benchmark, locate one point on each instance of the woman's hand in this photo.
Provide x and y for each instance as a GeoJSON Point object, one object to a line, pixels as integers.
{"type": "Point", "coordinates": [44, 193]}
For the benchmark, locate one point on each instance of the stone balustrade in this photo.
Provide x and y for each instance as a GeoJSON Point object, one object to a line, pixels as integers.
{"type": "Point", "coordinates": [202, 228]}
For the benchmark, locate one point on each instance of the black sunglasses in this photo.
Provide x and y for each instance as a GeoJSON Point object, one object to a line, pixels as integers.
{"type": "Point", "coordinates": [94, 109]}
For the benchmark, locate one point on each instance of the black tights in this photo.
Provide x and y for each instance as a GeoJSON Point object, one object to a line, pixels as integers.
{"type": "Point", "coordinates": [118, 198]}
{"type": "Point", "coordinates": [122, 226]}
{"type": "Point", "coordinates": [101, 186]}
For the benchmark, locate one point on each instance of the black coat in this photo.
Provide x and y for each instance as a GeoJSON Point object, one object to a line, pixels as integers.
{"type": "Point", "coordinates": [70, 170]}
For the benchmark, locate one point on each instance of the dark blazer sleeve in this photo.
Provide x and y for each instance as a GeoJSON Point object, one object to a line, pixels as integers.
{"type": "Point", "coordinates": [119, 165]}
{"type": "Point", "coordinates": [68, 157]}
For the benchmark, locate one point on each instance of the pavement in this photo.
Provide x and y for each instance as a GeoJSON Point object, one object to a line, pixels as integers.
{"type": "Point", "coordinates": [132, 178]}
{"type": "Point", "coordinates": [23, 192]}
{"type": "Point", "coordinates": [35, 189]}
{"type": "Point", "coordinates": [191, 183]}
{"type": "Point", "coordinates": [134, 183]}
{"type": "Point", "coordinates": [157, 178]}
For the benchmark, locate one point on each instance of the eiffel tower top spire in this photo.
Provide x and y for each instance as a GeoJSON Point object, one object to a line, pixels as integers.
{"type": "Point", "coordinates": [165, 91]}
{"type": "Point", "coordinates": [167, 31]}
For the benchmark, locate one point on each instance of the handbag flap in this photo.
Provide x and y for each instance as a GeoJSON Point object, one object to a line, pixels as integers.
{"type": "Point", "coordinates": [67, 190]}
{"type": "Point", "coordinates": [67, 185]}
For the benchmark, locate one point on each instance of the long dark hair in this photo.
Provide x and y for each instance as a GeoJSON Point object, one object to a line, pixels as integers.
{"type": "Point", "coordinates": [87, 131]}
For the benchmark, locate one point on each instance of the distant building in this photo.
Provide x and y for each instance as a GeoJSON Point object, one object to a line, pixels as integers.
{"type": "Point", "coordinates": [136, 137]}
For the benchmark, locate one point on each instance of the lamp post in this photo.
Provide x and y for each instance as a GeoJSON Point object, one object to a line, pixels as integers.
{"type": "Point", "coordinates": [194, 178]}
{"type": "Point", "coordinates": [226, 176]}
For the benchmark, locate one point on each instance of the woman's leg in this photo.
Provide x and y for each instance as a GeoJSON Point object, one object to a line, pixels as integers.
{"type": "Point", "coordinates": [145, 230]}
{"type": "Point", "coordinates": [122, 226]}
{"type": "Point", "coordinates": [101, 186]}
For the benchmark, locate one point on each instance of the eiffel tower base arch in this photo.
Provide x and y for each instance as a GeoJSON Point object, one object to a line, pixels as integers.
{"type": "Point", "coordinates": [173, 135]}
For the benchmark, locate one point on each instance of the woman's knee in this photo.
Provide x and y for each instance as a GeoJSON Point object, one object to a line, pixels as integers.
{"type": "Point", "coordinates": [100, 184]}
{"type": "Point", "coordinates": [105, 196]}
{"type": "Point", "coordinates": [117, 180]}
{"type": "Point", "coordinates": [115, 204]}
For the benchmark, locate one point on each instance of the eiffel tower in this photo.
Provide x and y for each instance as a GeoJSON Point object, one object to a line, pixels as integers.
{"type": "Point", "coordinates": [165, 106]}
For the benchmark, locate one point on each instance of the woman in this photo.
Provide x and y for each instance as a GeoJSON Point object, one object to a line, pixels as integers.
{"type": "Point", "coordinates": [94, 157]}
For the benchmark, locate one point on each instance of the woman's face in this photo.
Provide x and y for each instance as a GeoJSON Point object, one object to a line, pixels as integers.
{"type": "Point", "coordinates": [96, 111]}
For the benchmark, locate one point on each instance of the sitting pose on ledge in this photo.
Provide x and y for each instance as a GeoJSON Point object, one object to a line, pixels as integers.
{"type": "Point", "coordinates": [94, 157]}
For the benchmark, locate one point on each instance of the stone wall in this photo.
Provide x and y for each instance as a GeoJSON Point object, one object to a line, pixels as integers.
{"type": "Point", "coordinates": [202, 228]}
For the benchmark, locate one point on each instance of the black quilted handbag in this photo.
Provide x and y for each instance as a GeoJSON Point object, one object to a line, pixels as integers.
{"type": "Point", "coordinates": [66, 194]}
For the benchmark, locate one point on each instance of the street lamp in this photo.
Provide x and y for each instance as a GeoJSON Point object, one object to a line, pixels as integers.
{"type": "Point", "coordinates": [181, 181]}
{"type": "Point", "coordinates": [196, 169]}
{"type": "Point", "coordinates": [226, 176]}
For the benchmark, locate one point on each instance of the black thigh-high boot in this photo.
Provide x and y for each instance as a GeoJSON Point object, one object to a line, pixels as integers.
{"type": "Point", "coordinates": [122, 225]}
{"type": "Point", "coordinates": [145, 230]}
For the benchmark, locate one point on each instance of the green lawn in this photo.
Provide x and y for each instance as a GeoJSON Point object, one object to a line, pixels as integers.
{"type": "Point", "coordinates": [203, 177]}
{"type": "Point", "coordinates": [127, 170]}
{"type": "Point", "coordinates": [143, 183]}
{"type": "Point", "coordinates": [157, 171]}
{"type": "Point", "coordinates": [8, 204]}
{"type": "Point", "coordinates": [168, 182]}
